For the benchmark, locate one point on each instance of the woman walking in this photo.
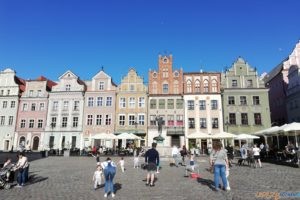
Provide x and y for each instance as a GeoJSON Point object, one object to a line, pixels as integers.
{"type": "Point", "coordinates": [219, 162]}
{"type": "Point", "coordinates": [109, 174]}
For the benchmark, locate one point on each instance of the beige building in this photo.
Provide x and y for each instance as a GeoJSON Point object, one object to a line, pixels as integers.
{"type": "Point", "coordinates": [131, 107]}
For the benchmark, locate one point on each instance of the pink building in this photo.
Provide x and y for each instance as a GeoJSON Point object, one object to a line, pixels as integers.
{"type": "Point", "coordinates": [32, 113]}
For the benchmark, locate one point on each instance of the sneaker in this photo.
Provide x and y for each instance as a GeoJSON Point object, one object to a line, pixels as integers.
{"type": "Point", "coordinates": [113, 195]}
{"type": "Point", "coordinates": [18, 186]}
{"type": "Point", "coordinates": [228, 188]}
{"type": "Point", "coordinates": [105, 195]}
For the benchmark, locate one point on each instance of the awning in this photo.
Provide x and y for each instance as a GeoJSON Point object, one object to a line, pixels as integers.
{"type": "Point", "coordinates": [128, 136]}
{"type": "Point", "coordinates": [104, 136]}
{"type": "Point", "coordinates": [223, 135]}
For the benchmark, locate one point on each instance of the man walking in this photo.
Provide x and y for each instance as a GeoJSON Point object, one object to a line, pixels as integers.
{"type": "Point", "coordinates": [152, 159]}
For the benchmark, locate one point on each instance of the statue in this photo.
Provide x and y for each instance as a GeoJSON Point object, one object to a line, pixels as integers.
{"type": "Point", "coordinates": [160, 122]}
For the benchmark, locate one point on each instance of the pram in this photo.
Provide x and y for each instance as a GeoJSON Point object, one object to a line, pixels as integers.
{"type": "Point", "coordinates": [5, 173]}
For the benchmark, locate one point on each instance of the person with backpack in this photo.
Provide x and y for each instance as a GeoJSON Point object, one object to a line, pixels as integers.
{"type": "Point", "coordinates": [109, 174]}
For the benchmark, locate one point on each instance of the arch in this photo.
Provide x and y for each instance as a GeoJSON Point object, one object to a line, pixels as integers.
{"type": "Point", "coordinates": [214, 85]}
{"type": "Point", "coordinates": [206, 85]}
{"type": "Point", "coordinates": [35, 143]}
{"type": "Point", "coordinates": [154, 87]}
{"type": "Point", "coordinates": [176, 87]}
{"type": "Point", "coordinates": [197, 86]}
{"type": "Point", "coordinates": [188, 86]}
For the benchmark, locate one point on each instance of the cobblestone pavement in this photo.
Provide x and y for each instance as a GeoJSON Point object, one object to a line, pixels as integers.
{"type": "Point", "coordinates": [59, 178]}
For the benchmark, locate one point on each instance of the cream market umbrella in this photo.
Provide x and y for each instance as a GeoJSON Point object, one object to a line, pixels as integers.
{"type": "Point", "coordinates": [104, 136]}
{"type": "Point", "coordinates": [269, 131]}
{"type": "Point", "coordinates": [293, 127]}
{"type": "Point", "coordinates": [223, 135]}
{"type": "Point", "coordinates": [127, 136]}
{"type": "Point", "coordinates": [244, 136]}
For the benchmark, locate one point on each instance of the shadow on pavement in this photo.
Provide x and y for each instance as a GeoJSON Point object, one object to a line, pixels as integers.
{"type": "Point", "coordinates": [117, 186]}
{"type": "Point", "coordinates": [206, 182]}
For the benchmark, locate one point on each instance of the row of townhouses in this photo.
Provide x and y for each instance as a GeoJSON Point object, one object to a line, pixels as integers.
{"type": "Point", "coordinates": [71, 113]}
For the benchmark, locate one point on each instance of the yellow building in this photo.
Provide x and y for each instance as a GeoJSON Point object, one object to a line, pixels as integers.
{"type": "Point", "coordinates": [131, 108]}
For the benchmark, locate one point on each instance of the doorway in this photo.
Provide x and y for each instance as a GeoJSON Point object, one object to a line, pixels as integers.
{"type": "Point", "coordinates": [35, 145]}
{"type": "Point", "coordinates": [175, 140]}
{"type": "Point", "coordinates": [6, 145]}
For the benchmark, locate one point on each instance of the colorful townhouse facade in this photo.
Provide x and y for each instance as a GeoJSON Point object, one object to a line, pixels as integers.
{"type": "Point", "coordinates": [11, 87]}
{"type": "Point", "coordinates": [245, 99]}
{"type": "Point", "coordinates": [99, 110]}
{"type": "Point", "coordinates": [203, 107]}
{"type": "Point", "coordinates": [166, 103]}
{"type": "Point", "coordinates": [32, 113]}
{"type": "Point", "coordinates": [131, 107]}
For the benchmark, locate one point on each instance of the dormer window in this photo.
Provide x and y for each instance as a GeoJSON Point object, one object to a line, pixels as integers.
{"type": "Point", "coordinates": [68, 87]}
{"type": "Point", "coordinates": [101, 86]}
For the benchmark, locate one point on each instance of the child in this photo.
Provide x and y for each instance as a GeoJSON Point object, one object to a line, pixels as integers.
{"type": "Point", "coordinates": [122, 164]}
{"type": "Point", "coordinates": [136, 162]}
{"type": "Point", "coordinates": [192, 162]}
{"type": "Point", "coordinates": [97, 176]}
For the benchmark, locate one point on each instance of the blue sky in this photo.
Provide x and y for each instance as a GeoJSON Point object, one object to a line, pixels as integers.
{"type": "Point", "coordinates": [48, 37]}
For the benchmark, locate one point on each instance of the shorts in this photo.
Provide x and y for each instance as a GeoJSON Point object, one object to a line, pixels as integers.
{"type": "Point", "coordinates": [151, 167]}
{"type": "Point", "coordinates": [256, 157]}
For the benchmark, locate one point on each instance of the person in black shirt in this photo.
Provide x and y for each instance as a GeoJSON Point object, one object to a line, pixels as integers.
{"type": "Point", "coordinates": [152, 159]}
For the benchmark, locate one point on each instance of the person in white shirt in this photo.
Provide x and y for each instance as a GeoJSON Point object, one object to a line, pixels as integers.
{"type": "Point", "coordinates": [256, 154]}
{"type": "Point", "coordinates": [21, 166]}
{"type": "Point", "coordinates": [175, 153]}
{"type": "Point", "coordinates": [136, 161]}
{"type": "Point", "coordinates": [122, 164]}
{"type": "Point", "coordinates": [97, 178]}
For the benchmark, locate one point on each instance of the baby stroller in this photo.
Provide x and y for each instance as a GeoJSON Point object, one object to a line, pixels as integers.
{"type": "Point", "coordinates": [5, 176]}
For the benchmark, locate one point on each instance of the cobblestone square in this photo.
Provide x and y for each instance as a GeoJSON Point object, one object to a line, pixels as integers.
{"type": "Point", "coordinates": [70, 178]}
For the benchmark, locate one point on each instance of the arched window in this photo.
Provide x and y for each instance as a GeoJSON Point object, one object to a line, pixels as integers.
{"type": "Point", "coordinates": [214, 85]}
{"type": "Point", "coordinates": [197, 86]}
{"type": "Point", "coordinates": [154, 88]}
{"type": "Point", "coordinates": [22, 141]}
{"type": "Point", "coordinates": [35, 144]}
{"type": "Point", "coordinates": [205, 85]}
{"type": "Point", "coordinates": [188, 86]}
{"type": "Point", "coordinates": [176, 87]}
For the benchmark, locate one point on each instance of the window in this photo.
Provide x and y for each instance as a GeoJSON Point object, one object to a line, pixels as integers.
{"type": "Point", "coordinates": [40, 123]}
{"type": "Point", "coordinates": [8, 92]}
{"type": "Point", "coordinates": [98, 120]}
{"type": "Point", "coordinates": [122, 120]}
{"type": "Point", "coordinates": [24, 107]}
{"type": "Point", "coordinates": [31, 123]}
{"type": "Point", "coordinates": [10, 120]}
{"type": "Point", "coordinates": [131, 87]}
{"type": "Point", "coordinates": [205, 86]}
{"type": "Point", "coordinates": [234, 83]}
{"type": "Point", "coordinates": [170, 120]}
{"type": "Point", "coordinates": [197, 86]}
{"type": "Point", "coordinates": [244, 118]}
{"type": "Point", "coordinates": [108, 101]}
{"type": "Point", "coordinates": [256, 100]}
{"type": "Point", "coordinates": [141, 119]}
{"type": "Point", "coordinates": [215, 123]}
{"type": "Point", "coordinates": [33, 107]}
{"type": "Point", "coordinates": [122, 102]}
{"type": "Point", "coordinates": [165, 88]}
{"type": "Point", "coordinates": [39, 93]}
{"type": "Point", "coordinates": [53, 122]}
{"type": "Point", "coordinates": [12, 104]}
{"type": "Point", "coordinates": [152, 120]}
{"type": "Point", "coordinates": [153, 104]}
{"type": "Point", "coordinates": [249, 83]}
{"type": "Point", "coordinates": [214, 104]}
{"type": "Point", "coordinates": [131, 102]}
{"type": "Point", "coordinates": [55, 106]}
{"type": "Point", "coordinates": [75, 122]}
{"type": "Point", "coordinates": [99, 101]}
{"type": "Point", "coordinates": [42, 106]}
{"type": "Point", "coordinates": [179, 103]}
{"type": "Point", "coordinates": [64, 122]}
{"type": "Point", "coordinates": [4, 104]}
{"type": "Point", "coordinates": [190, 104]}
{"type": "Point", "coordinates": [231, 100]}
{"type": "Point", "coordinates": [165, 73]}
{"type": "Point", "coordinates": [214, 86]}
{"type": "Point", "coordinates": [68, 87]}
{"type": "Point", "coordinates": [2, 121]}
{"type": "Point", "coordinates": [89, 121]}
{"type": "Point", "coordinates": [2, 92]}
{"type": "Point", "coordinates": [131, 120]}
{"type": "Point", "coordinates": [154, 88]}
{"type": "Point", "coordinates": [202, 104]}
{"type": "Point", "coordinates": [175, 87]}
{"type": "Point", "coordinates": [101, 85]}
{"type": "Point", "coordinates": [66, 105]}
{"type": "Point", "coordinates": [30, 93]}
{"type": "Point", "coordinates": [170, 103]}
{"type": "Point", "coordinates": [243, 100]}
{"type": "Point", "coordinates": [203, 123]}
{"type": "Point", "coordinates": [191, 123]}
{"type": "Point", "coordinates": [76, 106]}
{"type": "Point", "coordinates": [179, 120]}
{"type": "Point", "coordinates": [23, 123]}
{"type": "Point", "coordinates": [141, 102]}
{"type": "Point", "coordinates": [189, 87]}
{"type": "Point", "coordinates": [161, 104]}
{"type": "Point", "coordinates": [90, 101]}
{"type": "Point", "coordinates": [232, 119]}
{"type": "Point", "coordinates": [107, 119]}
{"type": "Point", "coordinates": [257, 118]}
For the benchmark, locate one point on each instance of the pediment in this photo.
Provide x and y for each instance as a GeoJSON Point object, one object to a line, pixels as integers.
{"type": "Point", "coordinates": [68, 75]}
